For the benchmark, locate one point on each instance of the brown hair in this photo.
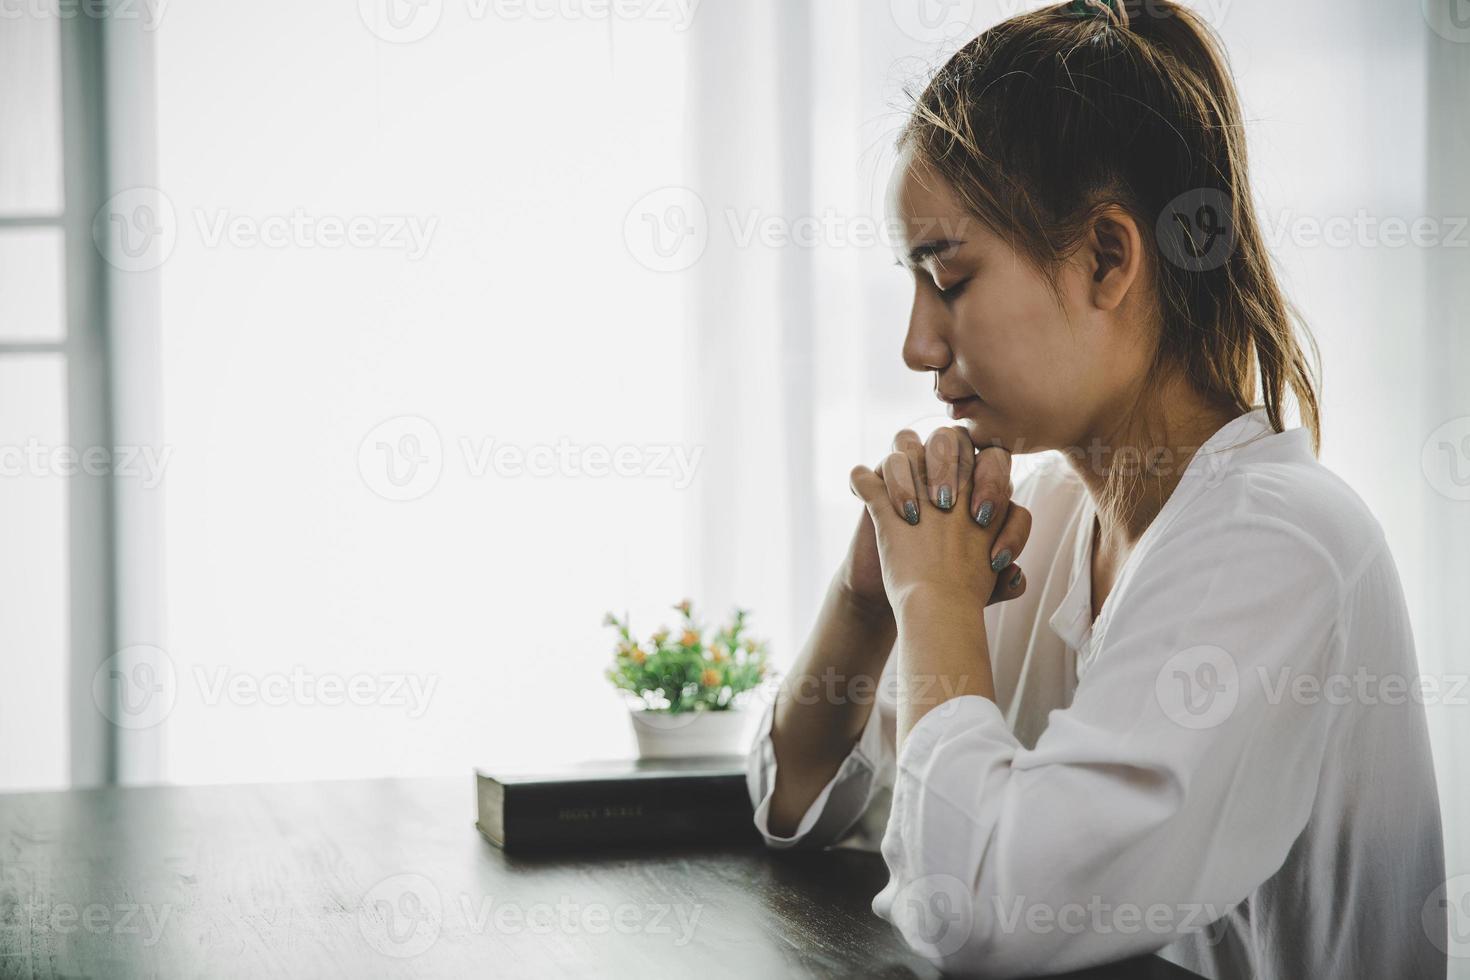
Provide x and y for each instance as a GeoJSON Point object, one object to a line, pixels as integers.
{"type": "Point", "coordinates": [1048, 118]}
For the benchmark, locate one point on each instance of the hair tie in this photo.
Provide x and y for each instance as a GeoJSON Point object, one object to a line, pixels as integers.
{"type": "Point", "coordinates": [1111, 9]}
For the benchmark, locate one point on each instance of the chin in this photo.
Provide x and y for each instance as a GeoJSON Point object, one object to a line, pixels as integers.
{"type": "Point", "coordinates": [985, 428]}
{"type": "Point", "coordinates": [989, 427]}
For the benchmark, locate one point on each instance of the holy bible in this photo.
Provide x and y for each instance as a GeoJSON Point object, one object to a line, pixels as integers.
{"type": "Point", "coordinates": [612, 802]}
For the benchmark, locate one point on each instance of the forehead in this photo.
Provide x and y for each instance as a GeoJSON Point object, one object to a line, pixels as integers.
{"type": "Point", "coordinates": [923, 206]}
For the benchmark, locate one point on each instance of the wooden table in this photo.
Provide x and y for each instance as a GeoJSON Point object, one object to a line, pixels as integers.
{"type": "Point", "coordinates": [389, 878]}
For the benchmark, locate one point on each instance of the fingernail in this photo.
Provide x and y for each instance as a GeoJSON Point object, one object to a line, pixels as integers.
{"type": "Point", "coordinates": [985, 513]}
{"type": "Point", "coordinates": [946, 498]}
{"type": "Point", "coordinates": [911, 512]}
{"type": "Point", "coordinates": [1016, 579]}
{"type": "Point", "coordinates": [1001, 560]}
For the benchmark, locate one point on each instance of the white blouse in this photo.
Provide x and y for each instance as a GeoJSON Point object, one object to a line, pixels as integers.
{"type": "Point", "coordinates": [1230, 766]}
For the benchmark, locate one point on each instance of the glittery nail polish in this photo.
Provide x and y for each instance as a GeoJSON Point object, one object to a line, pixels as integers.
{"type": "Point", "coordinates": [1016, 579]}
{"type": "Point", "coordinates": [911, 511]}
{"type": "Point", "coordinates": [1001, 560]}
{"type": "Point", "coordinates": [985, 513]}
{"type": "Point", "coordinates": [946, 498]}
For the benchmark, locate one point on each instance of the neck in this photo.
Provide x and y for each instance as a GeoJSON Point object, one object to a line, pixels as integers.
{"type": "Point", "coordinates": [1144, 461]}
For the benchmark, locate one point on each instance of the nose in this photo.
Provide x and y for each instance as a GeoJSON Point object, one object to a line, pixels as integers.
{"type": "Point", "coordinates": [926, 345]}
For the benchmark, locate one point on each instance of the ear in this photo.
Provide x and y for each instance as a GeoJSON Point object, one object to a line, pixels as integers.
{"type": "Point", "coordinates": [1114, 253]}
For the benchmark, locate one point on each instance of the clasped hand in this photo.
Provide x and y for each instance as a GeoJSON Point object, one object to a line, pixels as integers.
{"type": "Point", "coordinates": [939, 521]}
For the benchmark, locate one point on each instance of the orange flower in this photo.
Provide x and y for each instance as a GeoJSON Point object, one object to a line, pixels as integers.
{"type": "Point", "coordinates": [710, 677]}
{"type": "Point", "coordinates": [718, 654]}
{"type": "Point", "coordinates": [690, 638]}
{"type": "Point", "coordinates": [637, 655]}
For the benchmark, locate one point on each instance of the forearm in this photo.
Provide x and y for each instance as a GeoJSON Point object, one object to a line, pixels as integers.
{"type": "Point", "coordinates": [824, 702]}
{"type": "Point", "coordinates": [943, 653]}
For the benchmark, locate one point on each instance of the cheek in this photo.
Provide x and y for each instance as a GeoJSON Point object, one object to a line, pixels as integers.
{"type": "Point", "coordinates": [1013, 339]}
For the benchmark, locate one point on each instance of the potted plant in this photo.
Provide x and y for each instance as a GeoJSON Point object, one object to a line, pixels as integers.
{"type": "Point", "coordinates": [685, 688]}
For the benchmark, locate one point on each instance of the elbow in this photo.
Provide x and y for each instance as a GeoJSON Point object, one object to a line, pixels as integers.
{"type": "Point", "coordinates": [779, 831]}
{"type": "Point", "coordinates": [948, 927]}
{"type": "Point", "coordinates": [966, 931]}
{"type": "Point", "coordinates": [985, 947]}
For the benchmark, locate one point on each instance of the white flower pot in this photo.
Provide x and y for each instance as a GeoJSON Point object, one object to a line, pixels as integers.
{"type": "Point", "coordinates": [666, 736]}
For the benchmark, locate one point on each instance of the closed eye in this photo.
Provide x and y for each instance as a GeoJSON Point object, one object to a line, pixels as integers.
{"type": "Point", "coordinates": [951, 293]}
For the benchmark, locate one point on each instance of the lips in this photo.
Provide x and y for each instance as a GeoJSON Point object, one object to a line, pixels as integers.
{"type": "Point", "coordinates": [962, 407]}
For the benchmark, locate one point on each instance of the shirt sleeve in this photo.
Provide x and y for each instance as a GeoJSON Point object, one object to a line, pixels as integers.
{"type": "Point", "coordinates": [1173, 786]}
{"type": "Point", "coordinates": [839, 805]}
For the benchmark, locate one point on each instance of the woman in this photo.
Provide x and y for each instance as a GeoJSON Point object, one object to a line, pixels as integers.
{"type": "Point", "coordinates": [1169, 735]}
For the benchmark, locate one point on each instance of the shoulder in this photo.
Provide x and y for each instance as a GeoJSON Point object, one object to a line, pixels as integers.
{"type": "Point", "coordinates": [1274, 494]}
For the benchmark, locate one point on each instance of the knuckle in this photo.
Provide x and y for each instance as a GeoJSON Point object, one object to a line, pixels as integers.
{"type": "Point", "coordinates": [996, 456]}
{"type": "Point", "coordinates": [942, 441]}
{"type": "Point", "coordinates": [988, 487]}
{"type": "Point", "coordinates": [1022, 518]}
{"type": "Point", "coordinates": [988, 475]}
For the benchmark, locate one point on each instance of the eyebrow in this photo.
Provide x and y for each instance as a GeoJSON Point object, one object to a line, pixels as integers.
{"type": "Point", "coordinates": [923, 251]}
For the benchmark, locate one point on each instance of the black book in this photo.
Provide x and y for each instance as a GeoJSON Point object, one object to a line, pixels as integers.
{"type": "Point", "coordinates": [609, 802]}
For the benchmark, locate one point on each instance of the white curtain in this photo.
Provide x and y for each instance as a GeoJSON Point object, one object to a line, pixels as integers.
{"type": "Point", "coordinates": [411, 467]}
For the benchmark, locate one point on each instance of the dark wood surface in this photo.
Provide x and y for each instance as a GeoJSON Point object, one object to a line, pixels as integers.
{"type": "Point", "coordinates": [389, 878]}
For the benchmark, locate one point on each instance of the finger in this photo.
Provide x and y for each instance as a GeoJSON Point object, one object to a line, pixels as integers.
{"type": "Point", "coordinates": [942, 466]}
{"type": "Point", "coordinates": [1012, 538]}
{"type": "Point", "coordinates": [869, 486]}
{"type": "Point", "coordinates": [966, 471]}
{"type": "Point", "coordinates": [991, 494]}
{"type": "Point", "coordinates": [907, 442]}
{"type": "Point", "coordinates": [1008, 585]}
{"type": "Point", "coordinates": [898, 479]}
{"type": "Point", "coordinates": [877, 469]}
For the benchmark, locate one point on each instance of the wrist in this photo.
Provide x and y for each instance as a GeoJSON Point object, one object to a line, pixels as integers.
{"type": "Point", "coordinates": [864, 609]}
{"type": "Point", "coordinates": [929, 601]}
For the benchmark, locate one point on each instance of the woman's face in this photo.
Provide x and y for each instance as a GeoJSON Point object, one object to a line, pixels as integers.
{"type": "Point", "coordinates": [1015, 364]}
